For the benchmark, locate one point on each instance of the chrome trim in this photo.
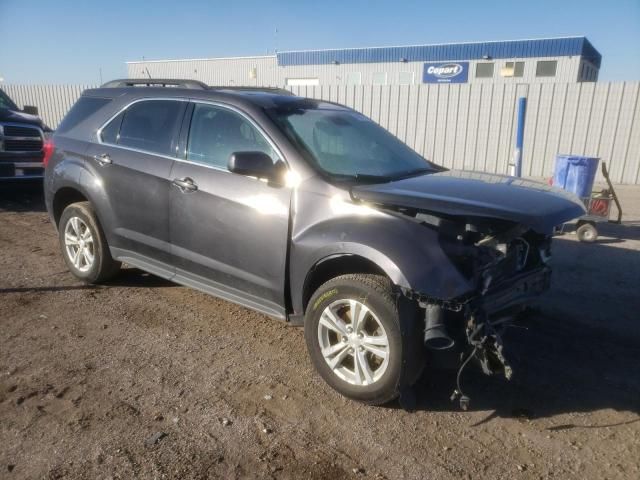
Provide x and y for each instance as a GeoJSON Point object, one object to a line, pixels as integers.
{"type": "Point", "coordinates": [7, 137]}
{"type": "Point", "coordinates": [99, 131]}
{"type": "Point", "coordinates": [24, 177]}
{"type": "Point", "coordinates": [177, 158]}
{"type": "Point", "coordinates": [25, 164]}
{"type": "Point", "coordinates": [4, 137]}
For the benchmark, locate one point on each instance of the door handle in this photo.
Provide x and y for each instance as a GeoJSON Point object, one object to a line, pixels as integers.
{"type": "Point", "coordinates": [103, 159]}
{"type": "Point", "coordinates": [185, 184]}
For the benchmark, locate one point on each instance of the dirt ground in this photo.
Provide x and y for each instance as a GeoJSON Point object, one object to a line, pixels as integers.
{"type": "Point", "coordinates": [145, 379]}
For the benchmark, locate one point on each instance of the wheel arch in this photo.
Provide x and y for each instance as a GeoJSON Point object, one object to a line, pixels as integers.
{"type": "Point", "coordinates": [343, 263]}
{"type": "Point", "coordinates": [64, 197]}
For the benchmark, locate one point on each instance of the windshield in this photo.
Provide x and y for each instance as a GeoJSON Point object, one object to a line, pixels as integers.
{"type": "Point", "coordinates": [344, 143]}
{"type": "Point", "coordinates": [5, 102]}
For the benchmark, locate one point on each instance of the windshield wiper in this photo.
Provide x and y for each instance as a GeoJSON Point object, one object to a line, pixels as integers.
{"type": "Point", "coordinates": [362, 177]}
{"type": "Point", "coordinates": [413, 173]}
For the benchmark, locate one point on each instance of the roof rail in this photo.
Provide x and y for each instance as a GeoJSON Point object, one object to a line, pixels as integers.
{"type": "Point", "coordinates": [239, 88]}
{"type": "Point", "coordinates": [156, 82]}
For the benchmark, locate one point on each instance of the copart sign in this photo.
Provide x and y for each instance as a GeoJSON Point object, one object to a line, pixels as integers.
{"type": "Point", "coordinates": [452, 72]}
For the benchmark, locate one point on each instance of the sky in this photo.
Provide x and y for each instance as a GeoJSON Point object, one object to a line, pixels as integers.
{"type": "Point", "coordinates": [88, 41]}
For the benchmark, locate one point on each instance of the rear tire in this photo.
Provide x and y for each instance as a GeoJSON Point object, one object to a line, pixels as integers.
{"type": "Point", "coordinates": [375, 357]}
{"type": "Point", "coordinates": [84, 246]}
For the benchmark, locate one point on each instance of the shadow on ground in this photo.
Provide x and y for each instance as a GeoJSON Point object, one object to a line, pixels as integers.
{"type": "Point", "coordinates": [558, 368]}
{"type": "Point", "coordinates": [579, 349]}
{"type": "Point", "coordinates": [611, 232]}
{"type": "Point", "coordinates": [128, 277]}
{"type": "Point", "coordinates": [22, 196]}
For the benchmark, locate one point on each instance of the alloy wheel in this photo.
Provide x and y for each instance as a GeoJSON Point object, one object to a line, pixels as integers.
{"type": "Point", "coordinates": [353, 342]}
{"type": "Point", "coordinates": [79, 244]}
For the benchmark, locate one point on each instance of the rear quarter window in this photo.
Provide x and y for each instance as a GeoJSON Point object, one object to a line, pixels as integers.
{"type": "Point", "coordinates": [83, 109]}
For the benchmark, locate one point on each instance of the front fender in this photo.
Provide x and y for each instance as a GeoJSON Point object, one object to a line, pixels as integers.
{"type": "Point", "coordinates": [408, 252]}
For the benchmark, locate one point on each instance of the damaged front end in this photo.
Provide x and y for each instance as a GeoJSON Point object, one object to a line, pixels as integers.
{"type": "Point", "coordinates": [495, 231]}
{"type": "Point", "coordinates": [508, 265]}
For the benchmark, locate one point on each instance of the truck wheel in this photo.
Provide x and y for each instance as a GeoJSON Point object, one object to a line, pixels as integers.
{"type": "Point", "coordinates": [359, 341]}
{"type": "Point", "coordinates": [84, 246]}
{"type": "Point", "coordinates": [587, 232]}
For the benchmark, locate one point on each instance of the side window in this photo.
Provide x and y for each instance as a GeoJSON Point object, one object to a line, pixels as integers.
{"type": "Point", "coordinates": [151, 125]}
{"type": "Point", "coordinates": [217, 132]}
{"type": "Point", "coordinates": [110, 132]}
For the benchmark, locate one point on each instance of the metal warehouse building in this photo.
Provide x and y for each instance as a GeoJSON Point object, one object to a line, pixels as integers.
{"type": "Point", "coordinates": [548, 60]}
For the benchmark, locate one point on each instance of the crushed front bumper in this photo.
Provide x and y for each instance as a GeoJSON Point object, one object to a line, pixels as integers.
{"type": "Point", "coordinates": [517, 290]}
{"type": "Point", "coordinates": [483, 317]}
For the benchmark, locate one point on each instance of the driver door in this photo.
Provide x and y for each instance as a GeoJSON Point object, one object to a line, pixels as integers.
{"type": "Point", "coordinates": [228, 232]}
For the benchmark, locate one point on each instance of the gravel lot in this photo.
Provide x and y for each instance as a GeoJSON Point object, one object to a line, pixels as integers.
{"type": "Point", "coordinates": [145, 379]}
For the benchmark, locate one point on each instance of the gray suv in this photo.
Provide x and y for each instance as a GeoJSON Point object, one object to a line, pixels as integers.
{"type": "Point", "coordinates": [306, 211]}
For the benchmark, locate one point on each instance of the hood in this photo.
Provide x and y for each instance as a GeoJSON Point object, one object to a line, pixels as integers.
{"type": "Point", "coordinates": [473, 194]}
{"type": "Point", "coordinates": [7, 115]}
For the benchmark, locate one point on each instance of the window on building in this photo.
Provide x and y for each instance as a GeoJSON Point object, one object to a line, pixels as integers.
{"type": "Point", "coordinates": [405, 78]}
{"type": "Point", "coordinates": [518, 70]}
{"type": "Point", "coordinates": [546, 68]}
{"type": "Point", "coordinates": [379, 78]}
{"type": "Point", "coordinates": [484, 70]}
{"type": "Point", "coordinates": [302, 82]}
{"type": "Point", "coordinates": [354, 78]}
{"type": "Point", "coordinates": [512, 69]}
{"type": "Point", "coordinates": [217, 132]}
{"type": "Point", "coordinates": [151, 125]}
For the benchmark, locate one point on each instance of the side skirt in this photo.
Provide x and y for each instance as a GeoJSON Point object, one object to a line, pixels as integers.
{"type": "Point", "coordinates": [212, 288]}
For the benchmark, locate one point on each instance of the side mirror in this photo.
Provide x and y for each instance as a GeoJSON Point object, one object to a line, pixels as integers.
{"type": "Point", "coordinates": [253, 164]}
{"type": "Point", "coordinates": [30, 109]}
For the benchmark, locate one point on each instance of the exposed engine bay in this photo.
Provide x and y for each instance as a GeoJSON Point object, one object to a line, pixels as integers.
{"type": "Point", "coordinates": [508, 265]}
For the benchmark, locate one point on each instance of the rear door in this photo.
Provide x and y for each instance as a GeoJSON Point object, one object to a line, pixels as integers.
{"type": "Point", "coordinates": [133, 160]}
{"type": "Point", "coordinates": [229, 233]}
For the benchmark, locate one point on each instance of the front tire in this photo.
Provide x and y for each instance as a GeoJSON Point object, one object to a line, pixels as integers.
{"type": "Point", "coordinates": [84, 246]}
{"type": "Point", "coordinates": [364, 340]}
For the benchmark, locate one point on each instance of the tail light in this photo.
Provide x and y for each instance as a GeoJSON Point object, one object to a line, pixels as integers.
{"type": "Point", "coordinates": [47, 149]}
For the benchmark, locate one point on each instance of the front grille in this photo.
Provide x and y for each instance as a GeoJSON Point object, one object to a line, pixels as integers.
{"type": "Point", "coordinates": [20, 138]}
{"type": "Point", "coordinates": [19, 131]}
{"type": "Point", "coordinates": [34, 145]}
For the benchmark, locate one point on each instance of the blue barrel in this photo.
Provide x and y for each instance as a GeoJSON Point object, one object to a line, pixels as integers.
{"type": "Point", "coordinates": [575, 174]}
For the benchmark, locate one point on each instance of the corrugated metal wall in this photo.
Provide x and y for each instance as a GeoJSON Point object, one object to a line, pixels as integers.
{"type": "Point", "coordinates": [53, 101]}
{"type": "Point", "coordinates": [213, 71]}
{"type": "Point", "coordinates": [470, 126]}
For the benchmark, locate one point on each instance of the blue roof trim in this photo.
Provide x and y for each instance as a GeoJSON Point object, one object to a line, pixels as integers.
{"type": "Point", "coordinates": [551, 47]}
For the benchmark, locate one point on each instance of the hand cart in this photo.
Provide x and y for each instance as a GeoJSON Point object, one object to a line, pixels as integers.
{"type": "Point", "coordinates": [598, 207]}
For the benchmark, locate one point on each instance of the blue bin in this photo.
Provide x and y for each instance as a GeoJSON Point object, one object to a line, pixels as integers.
{"type": "Point", "coordinates": [575, 174]}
